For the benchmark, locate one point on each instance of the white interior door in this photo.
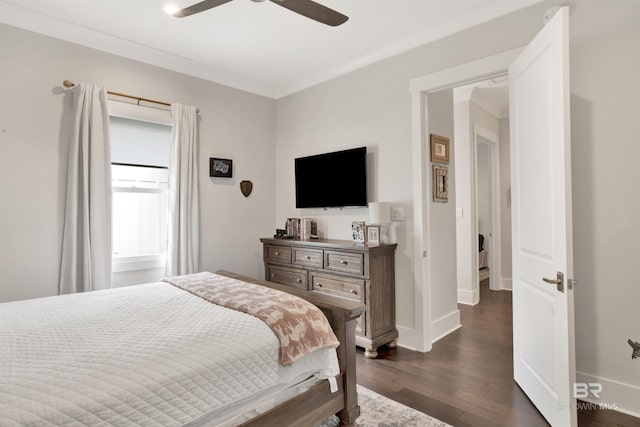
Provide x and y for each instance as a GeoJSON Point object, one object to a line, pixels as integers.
{"type": "Point", "coordinates": [543, 326]}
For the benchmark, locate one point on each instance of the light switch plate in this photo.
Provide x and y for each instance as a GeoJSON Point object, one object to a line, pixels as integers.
{"type": "Point", "coordinates": [397, 213]}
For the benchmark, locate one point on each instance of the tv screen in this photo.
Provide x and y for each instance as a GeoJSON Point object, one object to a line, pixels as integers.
{"type": "Point", "coordinates": [336, 179]}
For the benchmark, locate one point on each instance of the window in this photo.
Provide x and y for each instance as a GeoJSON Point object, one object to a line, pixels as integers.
{"type": "Point", "coordinates": [140, 182]}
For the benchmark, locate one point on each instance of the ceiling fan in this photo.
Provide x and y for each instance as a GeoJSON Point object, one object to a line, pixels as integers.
{"type": "Point", "coordinates": [307, 8]}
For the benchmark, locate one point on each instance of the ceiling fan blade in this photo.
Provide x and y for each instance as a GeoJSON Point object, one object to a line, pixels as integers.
{"type": "Point", "coordinates": [199, 7]}
{"type": "Point", "coordinates": [313, 10]}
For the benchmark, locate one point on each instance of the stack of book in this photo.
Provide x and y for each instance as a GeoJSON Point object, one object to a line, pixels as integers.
{"type": "Point", "coordinates": [301, 228]}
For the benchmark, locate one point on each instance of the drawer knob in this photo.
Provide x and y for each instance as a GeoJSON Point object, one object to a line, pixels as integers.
{"type": "Point", "coordinates": [299, 280]}
{"type": "Point", "coordinates": [274, 275]}
{"type": "Point", "coordinates": [353, 291]}
{"type": "Point", "coordinates": [319, 285]}
{"type": "Point", "coordinates": [277, 253]}
{"type": "Point", "coordinates": [343, 262]}
{"type": "Point", "coordinates": [307, 257]}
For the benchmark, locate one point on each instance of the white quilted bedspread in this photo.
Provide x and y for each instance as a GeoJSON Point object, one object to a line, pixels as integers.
{"type": "Point", "coordinates": [149, 355]}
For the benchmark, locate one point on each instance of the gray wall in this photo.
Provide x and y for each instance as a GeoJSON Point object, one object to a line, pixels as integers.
{"type": "Point", "coordinates": [33, 156]}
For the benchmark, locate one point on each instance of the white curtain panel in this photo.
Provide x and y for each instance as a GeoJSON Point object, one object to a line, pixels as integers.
{"type": "Point", "coordinates": [183, 234]}
{"type": "Point", "coordinates": [86, 239]}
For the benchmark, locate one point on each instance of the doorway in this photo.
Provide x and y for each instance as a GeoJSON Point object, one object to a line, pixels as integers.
{"type": "Point", "coordinates": [430, 325]}
{"type": "Point", "coordinates": [487, 218]}
{"type": "Point", "coordinates": [482, 175]}
{"type": "Point", "coordinates": [539, 75]}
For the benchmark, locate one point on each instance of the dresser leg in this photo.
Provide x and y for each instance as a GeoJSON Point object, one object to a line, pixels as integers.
{"type": "Point", "coordinates": [392, 344]}
{"type": "Point", "coordinates": [371, 354]}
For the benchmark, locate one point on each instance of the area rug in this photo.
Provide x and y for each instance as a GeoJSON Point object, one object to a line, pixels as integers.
{"type": "Point", "coordinates": [379, 411]}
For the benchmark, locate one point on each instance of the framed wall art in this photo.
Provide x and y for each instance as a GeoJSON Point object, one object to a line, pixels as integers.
{"type": "Point", "coordinates": [439, 149]}
{"type": "Point", "coordinates": [440, 183]}
{"type": "Point", "coordinates": [220, 168]}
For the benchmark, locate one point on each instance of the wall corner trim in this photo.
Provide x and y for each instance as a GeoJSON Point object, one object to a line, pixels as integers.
{"type": "Point", "coordinates": [445, 325]}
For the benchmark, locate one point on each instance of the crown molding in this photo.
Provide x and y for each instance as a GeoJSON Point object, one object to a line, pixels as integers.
{"type": "Point", "coordinates": [77, 34]}
{"type": "Point", "coordinates": [58, 28]}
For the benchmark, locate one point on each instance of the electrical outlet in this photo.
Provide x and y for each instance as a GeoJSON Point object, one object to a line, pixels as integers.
{"type": "Point", "coordinates": [397, 213]}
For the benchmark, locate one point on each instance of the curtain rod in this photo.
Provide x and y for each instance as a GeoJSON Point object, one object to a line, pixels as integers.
{"type": "Point", "coordinates": [69, 84]}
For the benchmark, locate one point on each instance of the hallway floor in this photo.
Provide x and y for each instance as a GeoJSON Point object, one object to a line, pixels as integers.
{"type": "Point", "coordinates": [467, 378]}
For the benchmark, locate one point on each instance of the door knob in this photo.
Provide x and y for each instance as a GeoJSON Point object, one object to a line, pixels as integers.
{"type": "Point", "coordinates": [558, 281]}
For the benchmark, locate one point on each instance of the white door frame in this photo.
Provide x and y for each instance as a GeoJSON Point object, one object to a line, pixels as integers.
{"type": "Point", "coordinates": [420, 337]}
{"type": "Point", "coordinates": [495, 250]}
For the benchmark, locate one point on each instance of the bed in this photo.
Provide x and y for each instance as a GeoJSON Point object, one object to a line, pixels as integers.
{"type": "Point", "coordinates": [156, 354]}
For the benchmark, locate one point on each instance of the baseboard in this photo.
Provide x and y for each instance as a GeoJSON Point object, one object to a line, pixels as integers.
{"type": "Point", "coordinates": [411, 338]}
{"type": "Point", "coordinates": [468, 297]}
{"type": "Point", "coordinates": [615, 395]}
{"type": "Point", "coordinates": [506, 283]}
{"type": "Point", "coordinates": [443, 326]}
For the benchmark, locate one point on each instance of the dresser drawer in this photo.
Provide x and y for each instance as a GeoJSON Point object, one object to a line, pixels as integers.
{"type": "Point", "coordinates": [312, 258]}
{"type": "Point", "coordinates": [280, 254]}
{"type": "Point", "coordinates": [291, 277]}
{"type": "Point", "coordinates": [339, 286]}
{"type": "Point", "coordinates": [344, 261]}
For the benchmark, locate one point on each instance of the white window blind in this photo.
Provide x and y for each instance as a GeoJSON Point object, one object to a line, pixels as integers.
{"type": "Point", "coordinates": [140, 176]}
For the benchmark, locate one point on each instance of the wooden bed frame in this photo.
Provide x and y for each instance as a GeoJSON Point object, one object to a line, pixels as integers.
{"type": "Point", "coordinates": [318, 403]}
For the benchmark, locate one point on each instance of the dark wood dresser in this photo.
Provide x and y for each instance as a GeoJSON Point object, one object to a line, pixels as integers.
{"type": "Point", "coordinates": [343, 269]}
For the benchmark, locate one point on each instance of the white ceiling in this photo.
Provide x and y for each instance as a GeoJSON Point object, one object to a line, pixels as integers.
{"type": "Point", "coordinates": [258, 47]}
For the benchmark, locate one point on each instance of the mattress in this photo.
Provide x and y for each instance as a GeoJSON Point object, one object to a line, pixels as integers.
{"type": "Point", "coordinates": [150, 355]}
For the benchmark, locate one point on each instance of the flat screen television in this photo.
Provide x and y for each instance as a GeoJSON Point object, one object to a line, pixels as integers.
{"type": "Point", "coordinates": [337, 179]}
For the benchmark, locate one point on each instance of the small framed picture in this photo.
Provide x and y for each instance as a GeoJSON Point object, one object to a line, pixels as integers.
{"type": "Point", "coordinates": [373, 234]}
{"type": "Point", "coordinates": [440, 184]}
{"type": "Point", "coordinates": [220, 168]}
{"type": "Point", "coordinates": [357, 229]}
{"type": "Point", "coordinates": [439, 149]}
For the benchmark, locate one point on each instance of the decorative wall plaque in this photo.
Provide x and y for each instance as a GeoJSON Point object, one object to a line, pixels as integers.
{"type": "Point", "coordinates": [246, 187]}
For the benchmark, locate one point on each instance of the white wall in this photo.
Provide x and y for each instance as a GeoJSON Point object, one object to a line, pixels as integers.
{"type": "Point", "coordinates": [484, 185]}
{"type": "Point", "coordinates": [470, 118]}
{"type": "Point", "coordinates": [33, 156]}
{"type": "Point", "coordinates": [441, 227]}
{"type": "Point", "coordinates": [466, 242]}
{"type": "Point", "coordinates": [504, 148]}
{"type": "Point", "coordinates": [368, 107]}
{"type": "Point", "coordinates": [372, 106]}
{"type": "Point", "coordinates": [605, 92]}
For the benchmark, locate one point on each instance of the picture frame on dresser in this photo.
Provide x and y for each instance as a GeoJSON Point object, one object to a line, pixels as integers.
{"type": "Point", "coordinates": [373, 234]}
{"type": "Point", "coordinates": [358, 231]}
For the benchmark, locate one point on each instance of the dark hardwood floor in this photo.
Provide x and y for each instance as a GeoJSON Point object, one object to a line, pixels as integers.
{"type": "Point", "coordinates": [467, 378]}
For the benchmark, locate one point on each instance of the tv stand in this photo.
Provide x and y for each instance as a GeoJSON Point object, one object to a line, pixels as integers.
{"type": "Point", "coordinates": [342, 269]}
